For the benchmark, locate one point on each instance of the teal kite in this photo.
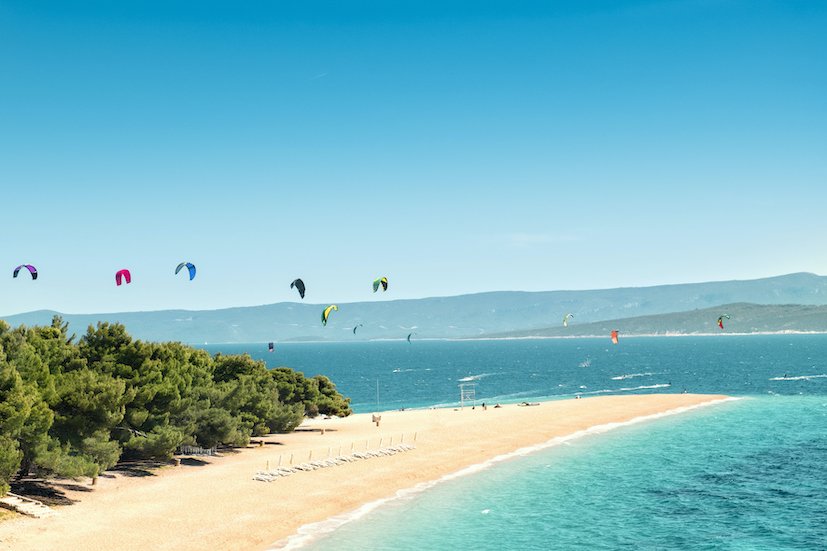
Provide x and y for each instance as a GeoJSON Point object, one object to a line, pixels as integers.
{"type": "Point", "coordinates": [190, 267]}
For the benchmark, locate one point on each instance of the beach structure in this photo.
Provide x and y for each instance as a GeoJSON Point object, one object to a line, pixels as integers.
{"type": "Point", "coordinates": [467, 393]}
{"type": "Point", "coordinates": [26, 506]}
{"type": "Point", "coordinates": [270, 475]}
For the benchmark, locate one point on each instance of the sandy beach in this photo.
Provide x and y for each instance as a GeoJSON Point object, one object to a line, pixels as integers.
{"type": "Point", "coordinates": [219, 505]}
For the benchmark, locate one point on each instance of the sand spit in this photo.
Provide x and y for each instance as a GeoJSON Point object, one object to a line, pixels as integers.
{"type": "Point", "coordinates": [215, 501]}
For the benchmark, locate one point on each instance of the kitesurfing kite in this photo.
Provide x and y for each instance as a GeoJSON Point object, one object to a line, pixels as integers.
{"type": "Point", "coordinates": [32, 270]}
{"type": "Point", "coordinates": [271, 347]}
{"type": "Point", "coordinates": [326, 313]}
{"type": "Point", "coordinates": [122, 275]}
{"type": "Point", "coordinates": [357, 327]}
{"type": "Point", "coordinates": [409, 336]}
{"type": "Point", "coordinates": [614, 336]}
{"type": "Point", "coordinates": [299, 285]}
{"type": "Point", "coordinates": [190, 266]}
{"type": "Point", "coordinates": [383, 281]}
{"type": "Point", "coordinates": [721, 320]}
{"type": "Point", "coordinates": [566, 319]}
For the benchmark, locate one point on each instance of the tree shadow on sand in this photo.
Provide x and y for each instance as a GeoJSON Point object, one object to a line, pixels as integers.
{"type": "Point", "coordinates": [192, 462]}
{"type": "Point", "coordinates": [49, 492]}
{"type": "Point", "coordinates": [138, 467]}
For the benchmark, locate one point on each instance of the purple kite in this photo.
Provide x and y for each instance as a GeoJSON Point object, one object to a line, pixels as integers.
{"type": "Point", "coordinates": [32, 270]}
{"type": "Point", "coordinates": [121, 275]}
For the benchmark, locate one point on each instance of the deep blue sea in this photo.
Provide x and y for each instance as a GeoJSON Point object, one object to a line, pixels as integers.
{"type": "Point", "coordinates": [745, 474]}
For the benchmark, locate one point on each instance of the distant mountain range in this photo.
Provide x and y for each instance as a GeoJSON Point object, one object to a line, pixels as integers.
{"type": "Point", "coordinates": [743, 318]}
{"type": "Point", "coordinates": [685, 308]}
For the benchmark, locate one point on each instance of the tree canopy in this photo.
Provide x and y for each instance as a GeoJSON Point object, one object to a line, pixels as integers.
{"type": "Point", "coordinates": [76, 408]}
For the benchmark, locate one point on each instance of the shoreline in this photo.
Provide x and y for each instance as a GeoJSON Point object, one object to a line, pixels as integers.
{"type": "Point", "coordinates": [216, 500]}
{"type": "Point", "coordinates": [312, 532]}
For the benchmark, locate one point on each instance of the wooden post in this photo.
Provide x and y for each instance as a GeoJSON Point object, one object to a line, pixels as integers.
{"type": "Point", "coordinates": [291, 459]}
{"type": "Point", "coordinates": [279, 460]}
{"type": "Point", "coordinates": [268, 465]}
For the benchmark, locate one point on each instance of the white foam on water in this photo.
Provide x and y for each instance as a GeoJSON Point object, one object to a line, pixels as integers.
{"type": "Point", "coordinates": [475, 377]}
{"type": "Point", "coordinates": [633, 375]}
{"type": "Point", "coordinates": [799, 377]}
{"type": "Point", "coordinates": [625, 389]}
{"type": "Point", "coordinates": [504, 397]}
{"type": "Point", "coordinates": [313, 531]}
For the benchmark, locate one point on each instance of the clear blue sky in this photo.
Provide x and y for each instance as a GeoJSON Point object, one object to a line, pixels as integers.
{"type": "Point", "coordinates": [453, 146]}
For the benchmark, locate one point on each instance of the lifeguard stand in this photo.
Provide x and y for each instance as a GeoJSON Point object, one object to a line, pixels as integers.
{"type": "Point", "coordinates": [467, 393]}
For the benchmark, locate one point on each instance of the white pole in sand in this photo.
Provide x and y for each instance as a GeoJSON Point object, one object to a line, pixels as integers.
{"type": "Point", "coordinates": [414, 437]}
{"type": "Point", "coordinates": [391, 444]}
{"type": "Point", "coordinates": [380, 442]}
{"type": "Point", "coordinates": [310, 457]}
{"type": "Point", "coordinates": [291, 459]}
{"type": "Point", "coordinates": [279, 460]}
{"type": "Point", "coordinates": [328, 453]}
{"type": "Point", "coordinates": [268, 465]}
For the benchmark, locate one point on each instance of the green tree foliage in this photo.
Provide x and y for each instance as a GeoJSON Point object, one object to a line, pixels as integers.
{"type": "Point", "coordinates": [256, 396]}
{"type": "Point", "coordinates": [318, 394]}
{"type": "Point", "coordinates": [10, 457]}
{"type": "Point", "coordinates": [88, 402]}
{"type": "Point", "coordinates": [287, 417]}
{"type": "Point", "coordinates": [216, 426]}
{"type": "Point", "coordinates": [330, 402]}
{"type": "Point", "coordinates": [76, 407]}
{"type": "Point", "coordinates": [160, 443]}
{"type": "Point", "coordinates": [61, 459]}
{"type": "Point", "coordinates": [24, 416]}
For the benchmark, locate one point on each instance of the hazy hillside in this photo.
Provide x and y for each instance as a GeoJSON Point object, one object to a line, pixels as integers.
{"type": "Point", "coordinates": [456, 317]}
{"type": "Point", "coordinates": [744, 318]}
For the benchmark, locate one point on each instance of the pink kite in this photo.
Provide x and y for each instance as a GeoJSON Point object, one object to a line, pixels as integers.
{"type": "Point", "coordinates": [121, 275]}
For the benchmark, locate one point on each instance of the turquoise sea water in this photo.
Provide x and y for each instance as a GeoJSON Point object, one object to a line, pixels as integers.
{"type": "Point", "coordinates": [745, 474]}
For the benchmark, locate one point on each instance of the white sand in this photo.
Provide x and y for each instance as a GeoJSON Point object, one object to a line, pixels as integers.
{"type": "Point", "coordinates": [220, 506]}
